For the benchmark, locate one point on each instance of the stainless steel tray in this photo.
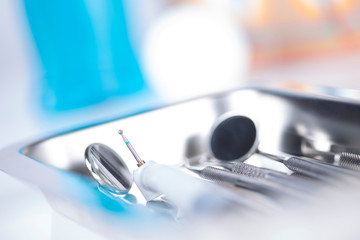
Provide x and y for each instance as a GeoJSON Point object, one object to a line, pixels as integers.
{"type": "Point", "coordinates": [287, 119]}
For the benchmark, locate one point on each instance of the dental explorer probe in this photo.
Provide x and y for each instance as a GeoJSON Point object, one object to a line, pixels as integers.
{"type": "Point", "coordinates": [188, 193]}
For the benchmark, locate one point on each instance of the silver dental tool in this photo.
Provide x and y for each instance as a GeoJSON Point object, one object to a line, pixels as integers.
{"type": "Point", "coordinates": [268, 188]}
{"type": "Point", "coordinates": [296, 183]}
{"type": "Point", "coordinates": [312, 168]}
{"type": "Point", "coordinates": [234, 138]}
{"type": "Point", "coordinates": [346, 159]}
{"type": "Point", "coordinates": [225, 176]}
{"type": "Point", "coordinates": [108, 168]}
{"type": "Point", "coordinates": [241, 168]}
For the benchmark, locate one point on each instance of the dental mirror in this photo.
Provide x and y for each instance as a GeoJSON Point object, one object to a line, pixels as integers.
{"type": "Point", "coordinates": [233, 138]}
{"type": "Point", "coordinates": [108, 168]}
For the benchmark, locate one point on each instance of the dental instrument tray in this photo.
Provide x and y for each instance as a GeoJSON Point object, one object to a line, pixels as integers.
{"type": "Point", "coordinates": [318, 124]}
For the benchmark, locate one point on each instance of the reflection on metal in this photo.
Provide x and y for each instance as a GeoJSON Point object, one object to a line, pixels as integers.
{"type": "Point", "coordinates": [285, 120]}
{"type": "Point", "coordinates": [108, 168]}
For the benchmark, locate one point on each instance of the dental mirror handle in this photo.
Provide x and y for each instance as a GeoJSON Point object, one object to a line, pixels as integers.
{"type": "Point", "coordinates": [224, 176]}
{"type": "Point", "coordinates": [316, 169]}
{"type": "Point", "coordinates": [311, 168]}
{"type": "Point", "coordinates": [272, 175]}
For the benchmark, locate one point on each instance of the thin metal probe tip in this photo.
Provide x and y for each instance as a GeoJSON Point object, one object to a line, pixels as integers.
{"type": "Point", "coordinates": [132, 150]}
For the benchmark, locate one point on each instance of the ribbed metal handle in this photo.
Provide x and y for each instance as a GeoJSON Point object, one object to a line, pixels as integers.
{"type": "Point", "coordinates": [224, 176]}
{"type": "Point", "coordinates": [315, 169]}
{"type": "Point", "coordinates": [274, 176]}
{"type": "Point", "coordinates": [348, 160]}
{"type": "Point", "coordinates": [249, 170]}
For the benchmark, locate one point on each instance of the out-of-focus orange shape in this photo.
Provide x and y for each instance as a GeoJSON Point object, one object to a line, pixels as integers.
{"type": "Point", "coordinates": [345, 5]}
{"type": "Point", "coordinates": [307, 9]}
{"type": "Point", "coordinates": [267, 12]}
{"type": "Point", "coordinates": [262, 13]}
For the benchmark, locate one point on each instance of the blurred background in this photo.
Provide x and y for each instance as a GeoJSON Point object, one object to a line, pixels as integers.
{"type": "Point", "coordinates": [67, 64]}
{"type": "Point", "coordinates": [62, 62]}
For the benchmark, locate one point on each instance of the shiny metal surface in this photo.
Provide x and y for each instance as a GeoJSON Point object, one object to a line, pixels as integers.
{"type": "Point", "coordinates": [285, 120]}
{"type": "Point", "coordinates": [108, 168]}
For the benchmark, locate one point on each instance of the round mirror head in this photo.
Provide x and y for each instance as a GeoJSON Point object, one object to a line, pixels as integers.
{"type": "Point", "coordinates": [108, 168]}
{"type": "Point", "coordinates": [233, 138]}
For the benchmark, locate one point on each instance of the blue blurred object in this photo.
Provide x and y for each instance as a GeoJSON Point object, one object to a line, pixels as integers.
{"type": "Point", "coordinates": [85, 51]}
